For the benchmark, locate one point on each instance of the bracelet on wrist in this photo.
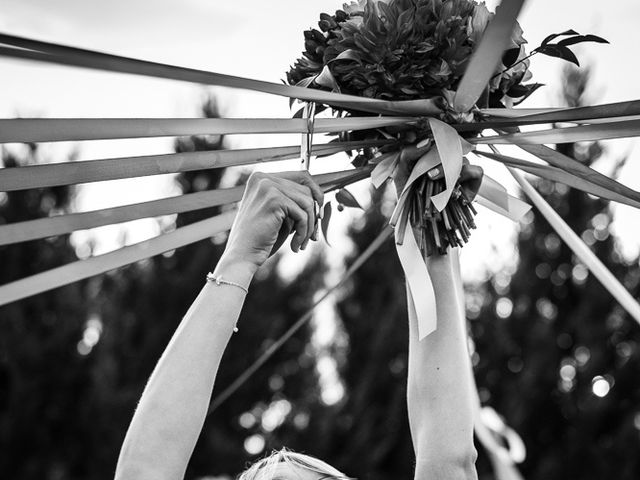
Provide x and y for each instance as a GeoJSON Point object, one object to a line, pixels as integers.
{"type": "Point", "coordinates": [219, 280]}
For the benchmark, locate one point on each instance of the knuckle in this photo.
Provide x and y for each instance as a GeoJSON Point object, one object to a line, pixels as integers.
{"type": "Point", "coordinates": [271, 194]}
{"type": "Point", "coordinates": [303, 216]}
{"type": "Point", "coordinates": [264, 184]}
{"type": "Point", "coordinates": [308, 204]}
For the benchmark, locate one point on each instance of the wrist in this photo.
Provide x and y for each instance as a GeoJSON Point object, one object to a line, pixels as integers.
{"type": "Point", "coordinates": [235, 268]}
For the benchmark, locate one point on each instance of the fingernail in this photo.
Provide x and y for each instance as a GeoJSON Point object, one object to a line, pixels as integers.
{"type": "Point", "coordinates": [304, 244]}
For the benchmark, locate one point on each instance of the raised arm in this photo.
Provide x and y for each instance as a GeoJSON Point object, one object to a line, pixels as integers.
{"type": "Point", "coordinates": [439, 387]}
{"type": "Point", "coordinates": [171, 412]}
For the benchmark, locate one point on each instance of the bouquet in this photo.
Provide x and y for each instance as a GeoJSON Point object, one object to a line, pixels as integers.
{"type": "Point", "coordinates": [419, 50]}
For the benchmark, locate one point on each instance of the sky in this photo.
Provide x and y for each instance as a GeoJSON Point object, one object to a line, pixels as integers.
{"type": "Point", "coordinates": [260, 40]}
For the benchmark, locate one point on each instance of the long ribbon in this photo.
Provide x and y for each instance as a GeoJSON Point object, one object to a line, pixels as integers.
{"type": "Point", "coordinates": [517, 112]}
{"type": "Point", "coordinates": [601, 131]}
{"type": "Point", "coordinates": [64, 55]}
{"type": "Point", "coordinates": [63, 224]}
{"type": "Point", "coordinates": [560, 175]}
{"type": "Point", "coordinates": [494, 196]}
{"type": "Point", "coordinates": [182, 236]}
{"type": "Point", "coordinates": [597, 114]}
{"type": "Point", "coordinates": [449, 146]}
{"type": "Point", "coordinates": [570, 165]}
{"type": "Point", "coordinates": [76, 271]}
{"type": "Point", "coordinates": [485, 59]}
{"type": "Point", "coordinates": [67, 173]}
{"type": "Point", "coordinates": [618, 109]}
{"type": "Point", "coordinates": [593, 263]}
{"type": "Point", "coordinates": [26, 130]}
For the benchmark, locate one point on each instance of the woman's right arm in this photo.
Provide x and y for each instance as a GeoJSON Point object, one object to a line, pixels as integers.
{"type": "Point", "coordinates": [174, 404]}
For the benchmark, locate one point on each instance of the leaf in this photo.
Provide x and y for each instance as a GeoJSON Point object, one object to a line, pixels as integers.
{"type": "Point", "coordinates": [556, 35]}
{"type": "Point", "coordinates": [559, 51]}
{"type": "Point", "coordinates": [531, 88]}
{"type": "Point", "coordinates": [325, 78]}
{"type": "Point", "coordinates": [346, 198]}
{"type": "Point", "coordinates": [349, 54]}
{"type": "Point", "coordinates": [517, 91]}
{"type": "Point", "coordinates": [324, 223]}
{"type": "Point", "coordinates": [510, 57]}
{"type": "Point", "coordinates": [581, 39]}
{"type": "Point", "coordinates": [409, 91]}
{"type": "Point", "coordinates": [386, 12]}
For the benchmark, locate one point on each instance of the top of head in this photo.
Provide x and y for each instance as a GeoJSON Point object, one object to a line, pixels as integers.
{"type": "Point", "coordinates": [287, 465]}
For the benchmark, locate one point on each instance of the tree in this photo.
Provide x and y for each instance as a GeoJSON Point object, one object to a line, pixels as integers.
{"type": "Point", "coordinates": [74, 361]}
{"type": "Point", "coordinates": [555, 353]}
{"type": "Point", "coordinates": [45, 404]}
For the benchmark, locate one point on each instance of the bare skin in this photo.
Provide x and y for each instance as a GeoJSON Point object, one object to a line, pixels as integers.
{"type": "Point", "coordinates": [172, 409]}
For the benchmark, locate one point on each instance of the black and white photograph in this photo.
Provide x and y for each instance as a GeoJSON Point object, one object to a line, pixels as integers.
{"type": "Point", "coordinates": [317, 240]}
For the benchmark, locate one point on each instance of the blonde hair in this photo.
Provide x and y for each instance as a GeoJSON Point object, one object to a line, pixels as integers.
{"type": "Point", "coordinates": [266, 468]}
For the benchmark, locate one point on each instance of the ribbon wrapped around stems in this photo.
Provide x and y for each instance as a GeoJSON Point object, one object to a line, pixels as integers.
{"type": "Point", "coordinates": [444, 153]}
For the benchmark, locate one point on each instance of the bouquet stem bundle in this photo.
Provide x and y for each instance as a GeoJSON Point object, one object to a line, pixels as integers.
{"type": "Point", "coordinates": [439, 230]}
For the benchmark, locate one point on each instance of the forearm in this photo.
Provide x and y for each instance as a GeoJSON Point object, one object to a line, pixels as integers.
{"type": "Point", "coordinates": [439, 387]}
{"type": "Point", "coordinates": [172, 409]}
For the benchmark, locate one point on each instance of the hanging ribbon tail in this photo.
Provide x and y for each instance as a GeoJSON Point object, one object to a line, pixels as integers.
{"type": "Point", "coordinates": [309, 114]}
{"type": "Point", "coordinates": [502, 443]}
{"type": "Point", "coordinates": [449, 147]}
{"type": "Point", "coordinates": [422, 166]}
{"type": "Point", "coordinates": [494, 196]}
{"type": "Point", "coordinates": [488, 427]}
{"type": "Point", "coordinates": [421, 298]}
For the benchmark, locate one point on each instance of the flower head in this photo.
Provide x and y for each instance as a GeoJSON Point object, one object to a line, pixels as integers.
{"type": "Point", "coordinates": [398, 49]}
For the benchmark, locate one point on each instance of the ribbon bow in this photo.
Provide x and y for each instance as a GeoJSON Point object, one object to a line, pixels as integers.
{"type": "Point", "coordinates": [446, 150]}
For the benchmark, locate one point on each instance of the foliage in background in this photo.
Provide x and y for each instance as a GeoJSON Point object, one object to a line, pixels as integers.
{"type": "Point", "coordinates": [45, 398]}
{"type": "Point", "coordinates": [144, 303]}
{"type": "Point", "coordinates": [547, 336]}
{"type": "Point", "coordinates": [65, 403]}
{"type": "Point", "coordinates": [555, 354]}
